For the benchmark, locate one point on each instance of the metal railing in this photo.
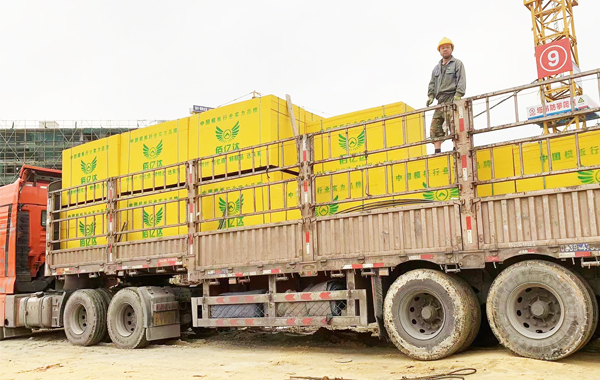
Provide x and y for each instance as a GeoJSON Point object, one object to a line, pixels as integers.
{"type": "Point", "coordinates": [247, 182]}
{"type": "Point", "coordinates": [375, 165]}
{"type": "Point", "coordinates": [371, 164]}
{"type": "Point", "coordinates": [531, 93]}
{"type": "Point", "coordinates": [533, 155]}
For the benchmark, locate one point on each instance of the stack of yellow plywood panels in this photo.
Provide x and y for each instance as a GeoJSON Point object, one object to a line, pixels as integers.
{"type": "Point", "coordinates": [162, 150]}
{"type": "Point", "coordinates": [232, 128]}
{"type": "Point", "coordinates": [241, 125]}
{"type": "Point", "coordinates": [85, 227]}
{"type": "Point", "coordinates": [376, 135]}
{"type": "Point", "coordinates": [153, 216]}
{"type": "Point", "coordinates": [156, 148]}
{"type": "Point", "coordinates": [84, 169]}
{"type": "Point", "coordinates": [537, 159]}
{"type": "Point", "coordinates": [85, 165]}
{"type": "Point", "coordinates": [227, 204]}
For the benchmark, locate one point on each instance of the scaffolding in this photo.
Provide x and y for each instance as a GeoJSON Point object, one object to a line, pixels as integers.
{"type": "Point", "coordinates": [41, 143]}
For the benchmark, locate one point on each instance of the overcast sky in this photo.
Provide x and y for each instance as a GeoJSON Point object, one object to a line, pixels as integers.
{"type": "Point", "coordinates": [71, 60]}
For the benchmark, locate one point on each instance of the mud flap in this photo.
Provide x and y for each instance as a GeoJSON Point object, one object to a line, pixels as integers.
{"type": "Point", "coordinates": [6, 333]}
{"type": "Point", "coordinates": [377, 289]}
{"type": "Point", "coordinates": [161, 313]}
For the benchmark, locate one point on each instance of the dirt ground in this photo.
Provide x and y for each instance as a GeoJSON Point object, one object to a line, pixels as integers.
{"type": "Point", "coordinates": [265, 355]}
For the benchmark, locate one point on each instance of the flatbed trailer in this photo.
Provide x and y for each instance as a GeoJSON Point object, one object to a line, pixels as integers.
{"type": "Point", "coordinates": [422, 271]}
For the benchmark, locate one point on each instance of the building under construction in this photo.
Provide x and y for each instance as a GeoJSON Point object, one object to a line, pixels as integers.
{"type": "Point", "coordinates": [41, 143]}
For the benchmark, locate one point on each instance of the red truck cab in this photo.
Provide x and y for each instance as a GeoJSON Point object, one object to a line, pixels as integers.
{"type": "Point", "coordinates": [23, 232]}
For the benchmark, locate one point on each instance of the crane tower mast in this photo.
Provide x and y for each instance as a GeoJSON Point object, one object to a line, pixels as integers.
{"type": "Point", "coordinates": [553, 20]}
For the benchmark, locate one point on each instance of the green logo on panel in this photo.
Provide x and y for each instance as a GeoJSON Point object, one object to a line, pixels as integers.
{"type": "Point", "coordinates": [230, 209]}
{"type": "Point", "coordinates": [329, 209]}
{"type": "Point", "coordinates": [440, 195]}
{"type": "Point", "coordinates": [228, 134]}
{"type": "Point", "coordinates": [87, 230]}
{"type": "Point", "coordinates": [153, 152]}
{"type": "Point", "coordinates": [87, 169]}
{"type": "Point", "coordinates": [151, 221]}
{"type": "Point", "coordinates": [589, 176]}
{"type": "Point", "coordinates": [351, 143]}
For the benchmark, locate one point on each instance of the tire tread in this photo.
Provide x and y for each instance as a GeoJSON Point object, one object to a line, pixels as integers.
{"type": "Point", "coordinates": [96, 314]}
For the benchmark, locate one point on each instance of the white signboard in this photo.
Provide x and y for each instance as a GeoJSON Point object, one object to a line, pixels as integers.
{"type": "Point", "coordinates": [561, 106]}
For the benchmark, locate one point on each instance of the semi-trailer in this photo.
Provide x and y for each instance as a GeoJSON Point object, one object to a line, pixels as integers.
{"type": "Point", "coordinates": [340, 222]}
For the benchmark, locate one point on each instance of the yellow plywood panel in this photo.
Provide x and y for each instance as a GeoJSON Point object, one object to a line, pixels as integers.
{"type": "Point", "coordinates": [282, 195]}
{"type": "Point", "coordinates": [504, 167]}
{"type": "Point", "coordinates": [374, 136]}
{"type": "Point", "coordinates": [331, 190]}
{"type": "Point", "coordinates": [86, 227]}
{"type": "Point", "coordinates": [230, 207]}
{"type": "Point", "coordinates": [242, 125]}
{"type": "Point", "coordinates": [154, 147]}
{"type": "Point", "coordinates": [87, 163]}
{"type": "Point", "coordinates": [153, 216]}
{"type": "Point", "coordinates": [537, 158]}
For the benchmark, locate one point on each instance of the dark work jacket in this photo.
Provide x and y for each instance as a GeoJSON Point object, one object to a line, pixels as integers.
{"type": "Point", "coordinates": [454, 81]}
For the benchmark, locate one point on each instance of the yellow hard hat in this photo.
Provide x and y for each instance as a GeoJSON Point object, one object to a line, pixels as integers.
{"type": "Point", "coordinates": [445, 41]}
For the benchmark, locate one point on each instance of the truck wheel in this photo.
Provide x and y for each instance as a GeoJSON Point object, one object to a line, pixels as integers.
{"type": "Point", "coordinates": [540, 310]}
{"type": "Point", "coordinates": [426, 314]}
{"type": "Point", "coordinates": [85, 318]}
{"type": "Point", "coordinates": [474, 311]}
{"type": "Point", "coordinates": [126, 320]}
{"type": "Point", "coordinates": [106, 297]}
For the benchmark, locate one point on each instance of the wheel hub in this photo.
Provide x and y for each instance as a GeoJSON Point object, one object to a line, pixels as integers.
{"type": "Point", "coordinates": [127, 320]}
{"type": "Point", "coordinates": [421, 315]}
{"type": "Point", "coordinates": [535, 311]}
{"type": "Point", "coordinates": [540, 309]}
{"type": "Point", "coordinates": [429, 313]}
{"type": "Point", "coordinates": [79, 320]}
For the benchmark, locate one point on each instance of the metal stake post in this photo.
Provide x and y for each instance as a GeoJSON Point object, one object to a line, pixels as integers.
{"type": "Point", "coordinates": [466, 163]}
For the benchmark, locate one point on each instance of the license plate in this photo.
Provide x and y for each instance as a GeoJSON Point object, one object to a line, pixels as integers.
{"type": "Point", "coordinates": [164, 318]}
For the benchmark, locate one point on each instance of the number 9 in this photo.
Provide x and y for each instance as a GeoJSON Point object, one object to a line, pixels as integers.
{"type": "Point", "coordinates": [553, 58]}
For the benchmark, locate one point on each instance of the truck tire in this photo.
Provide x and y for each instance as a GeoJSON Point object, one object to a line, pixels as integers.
{"type": "Point", "coordinates": [85, 318]}
{"type": "Point", "coordinates": [126, 320]}
{"type": "Point", "coordinates": [426, 314]}
{"type": "Point", "coordinates": [541, 310]}
{"type": "Point", "coordinates": [106, 297]}
{"type": "Point", "coordinates": [474, 311]}
{"type": "Point", "coordinates": [594, 309]}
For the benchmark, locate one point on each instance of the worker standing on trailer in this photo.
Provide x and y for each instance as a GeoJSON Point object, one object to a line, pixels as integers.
{"type": "Point", "coordinates": [448, 83]}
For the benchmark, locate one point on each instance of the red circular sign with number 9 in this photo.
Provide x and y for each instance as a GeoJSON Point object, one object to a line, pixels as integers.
{"type": "Point", "coordinates": [554, 58]}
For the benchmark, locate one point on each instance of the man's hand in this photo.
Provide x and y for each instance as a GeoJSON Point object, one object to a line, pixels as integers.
{"type": "Point", "coordinates": [457, 97]}
{"type": "Point", "coordinates": [429, 101]}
